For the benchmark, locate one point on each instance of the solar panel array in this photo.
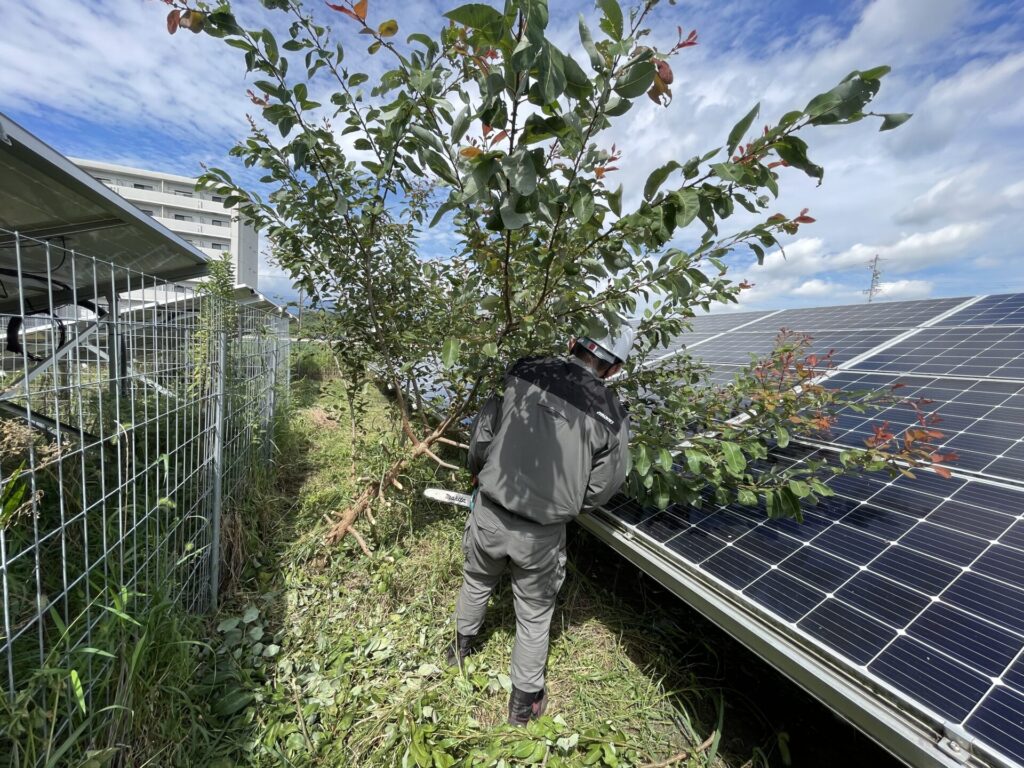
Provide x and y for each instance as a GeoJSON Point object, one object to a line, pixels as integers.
{"type": "Point", "coordinates": [915, 585]}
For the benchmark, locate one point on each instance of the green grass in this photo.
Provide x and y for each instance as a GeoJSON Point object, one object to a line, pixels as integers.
{"type": "Point", "coordinates": [335, 659]}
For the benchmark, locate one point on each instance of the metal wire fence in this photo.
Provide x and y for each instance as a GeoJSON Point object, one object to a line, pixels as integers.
{"type": "Point", "coordinates": [133, 411]}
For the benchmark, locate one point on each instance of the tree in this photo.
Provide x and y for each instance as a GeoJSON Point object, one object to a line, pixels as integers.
{"type": "Point", "coordinates": [498, 132]}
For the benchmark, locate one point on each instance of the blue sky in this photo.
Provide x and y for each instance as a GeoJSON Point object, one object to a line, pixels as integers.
{"type": "Point", "coordinates": [940, 200]}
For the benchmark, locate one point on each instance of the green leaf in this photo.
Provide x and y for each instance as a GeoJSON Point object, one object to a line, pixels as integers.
{"type": "Point", "coordinates": [894, 120]}
{"type": "Point", "coordinates": [358, 79]}
{"type": "Point", "coordinates": [657, 178]}
{"type": "Point", "coordinates": [426, 137]}
{"type": "Point", "coordinates": [615, 201]}
{"type": "Point", "coordinates": [76, 685]}
{"type": "Point", "coordinates": [232, 703]}
{"type": "Point", "coordinates": [270, 46]}
{"type": "Point", "coordinates": [694, 459]}
{"type": "Point", "coordinates": [747, 497]}
{"type": "Point", "coordinates": [583, 205]}
{"type": "Point", "coordinates": [636, 80]}
{"type": "Point", "coordinates": [781, 436]}
{"type": "Point", "coordinates": [588, 45]}
{"type": "Point", "coordinates": [490, 349]}
{"type": "Point", "coordinates": [799, 488]}
{"type": "Point", "coordinates": [687, 206]}
{"type": "Point", "coordinates": [480, 17]}
{"type": "Point", "coordinates": [662, 497]}
{"type": "Point", "coordinates": [510, 217]}
{"type": "Point", "coordinates": [521, 173]}
{"type": "Point", "coordinates": [793, 150]}
{"type": "Point", "coordinates": [641, 461]}
{"type": "Point", "coordinates": [728, 171]}
{"type": "Point", "coordinates": [461, 125]}
{"type": "Point", "coordinates": [491, 303]}
{"type": "Point", "coordinates": [611, 22]}
{"type": "Point", "coordinates": [550, 73]}
{"type": "Point", "coordinates": [450, 351]}
{"type": "Point", "coordinates": [577, 83]}
{"type": "Point", "coordinates": [665, 459]}
{"type": "Point", "coordinates": [740, 129]}
{"type": "Point", "coordinates": [251, 614]}
{"type": "Point", "coordinates": [875, 73]}
{"type": "Point", "coordinates": [440, 166]}
{"type": "Point", "coordinates": [734, 458]}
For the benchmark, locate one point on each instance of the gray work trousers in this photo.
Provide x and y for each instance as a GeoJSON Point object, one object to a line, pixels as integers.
{"type": "Point", "coordinates": [495, 538]}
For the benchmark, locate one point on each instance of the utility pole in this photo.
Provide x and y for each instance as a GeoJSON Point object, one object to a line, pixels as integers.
{"type": "Point", "coordinates": [876, 279]}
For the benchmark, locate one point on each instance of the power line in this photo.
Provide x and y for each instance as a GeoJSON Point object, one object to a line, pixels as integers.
{"type": "Point", "coordinates": [876, 279]}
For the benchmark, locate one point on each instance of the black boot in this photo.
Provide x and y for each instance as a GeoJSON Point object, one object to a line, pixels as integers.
{"type": "Point", "coordinates": [525, 706]}
{"type": "Point", "coordinates": [459, 649]}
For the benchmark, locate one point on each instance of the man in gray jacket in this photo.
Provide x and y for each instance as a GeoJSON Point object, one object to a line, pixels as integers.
{"type": "Point", "coordinates": [556, 443]}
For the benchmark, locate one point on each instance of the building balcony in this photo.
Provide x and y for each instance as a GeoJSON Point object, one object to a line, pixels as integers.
{"type": "Point", "coordinates": [143, 197]}
{"type": "Point", "coordinates": [191, 228]}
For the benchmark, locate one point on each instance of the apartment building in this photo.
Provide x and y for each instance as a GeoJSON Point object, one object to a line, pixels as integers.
{"type": "Point", "coordinates": [198, 216]}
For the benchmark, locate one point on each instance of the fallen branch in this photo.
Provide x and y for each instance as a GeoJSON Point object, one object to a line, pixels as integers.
{"type": "Point", "coordinates": [441, 462]}
{"type": "Point", "coordinates": [682, 755]}
{"type": "Point", "coordinates": [446, 441]}
{"type": "Point", "coordinates": [374, 489]}
{"type": "Point", "coordinates": [361, 540]}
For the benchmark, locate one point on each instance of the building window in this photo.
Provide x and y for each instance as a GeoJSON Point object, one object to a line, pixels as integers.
{"type": "Point", "coordinates": [217, 223]}
{"type": "Point", "coordinates": [148, 213]}
{"type": "Point", "coordinates": [217, 246]}
{"type": "Point", "coordinates": [217, 199]}
{"type": "Point", "coordinates": [181, 193]}
{"type": "Point", "coordinates": [102, 180]}
{"type": "Point", "coordinates": [182, 217]}
{"type": "Point", "coordinates": [142, 186]}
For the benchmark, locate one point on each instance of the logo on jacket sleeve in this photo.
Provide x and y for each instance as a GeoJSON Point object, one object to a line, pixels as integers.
{"type": "Point", "coordinates": [605, 416]}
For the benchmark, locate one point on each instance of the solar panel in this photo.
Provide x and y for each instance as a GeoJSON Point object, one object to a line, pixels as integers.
{"type": "Point", "coordinates": [915, 584]}
{"type": "Point", "coordinates": [1004, 309]}
{"type": "Point", "coordinates": [982, 421]}
{"type": "Point", "coordinates": [988, 352]}
{"type": "Point", "coordinates": [891, 314]}
{"type": "Point", "coordinates": [926, 591]}
{"type": "Point", "coordinates": [737, 347]}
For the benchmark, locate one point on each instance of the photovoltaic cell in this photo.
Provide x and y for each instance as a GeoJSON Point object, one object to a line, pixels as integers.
{"type": "Point", "coordinates": [1004, 309]}
{"type": "Point", "coordinates": [1000, 720]}
{"type": "Point", "coordinates": [889, 314]}
{"type": "Point", "coordinates": [738, 347]}
{"type": "Point", "coordinates": [920, 581]}
{"type": "Point", "coordinates": [984, 352]}
{"type": "Point", "coordinates": [948, 687]}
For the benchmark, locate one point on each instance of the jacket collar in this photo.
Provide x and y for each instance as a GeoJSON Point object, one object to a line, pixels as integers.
{"type": "Point", "coordinates": [576, 361]}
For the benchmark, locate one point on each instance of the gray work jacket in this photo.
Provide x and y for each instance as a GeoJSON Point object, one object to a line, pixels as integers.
{"type": "Point", "coordinates": [556, 443]}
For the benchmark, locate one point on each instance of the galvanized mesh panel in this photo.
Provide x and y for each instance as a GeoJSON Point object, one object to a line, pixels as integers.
{"type": "Point", "coordinates": [127, 421]}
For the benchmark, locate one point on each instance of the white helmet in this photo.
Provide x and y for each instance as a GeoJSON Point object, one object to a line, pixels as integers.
{"type": "Point", "coordinates": [613, 348]}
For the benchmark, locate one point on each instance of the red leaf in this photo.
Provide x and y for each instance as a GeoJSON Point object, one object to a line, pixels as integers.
{"type": "Point", "coordinates": [360, 9]}
{"type": "Point", "coordinates": [173, 19]}
{"type": "Point", "coordinates": [801, 219]}
{"type": "Point", "coordinates": [343, 9]}
{"type": "Point", "coordinates": [943, 472]}
{"type": "Point", "coordinates": [486, 129]}
{"type": "Point", "coordinates": [499, 136]}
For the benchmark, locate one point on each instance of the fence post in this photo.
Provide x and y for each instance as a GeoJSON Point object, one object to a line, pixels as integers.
{"type": "Point", "coordinates": [218, 463]}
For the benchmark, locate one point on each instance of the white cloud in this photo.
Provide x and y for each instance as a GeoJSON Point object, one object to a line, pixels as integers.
{"type": "Point", "coordinates": [815, 288]}
{"type": "Point", "coordinates": [905, 289]}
